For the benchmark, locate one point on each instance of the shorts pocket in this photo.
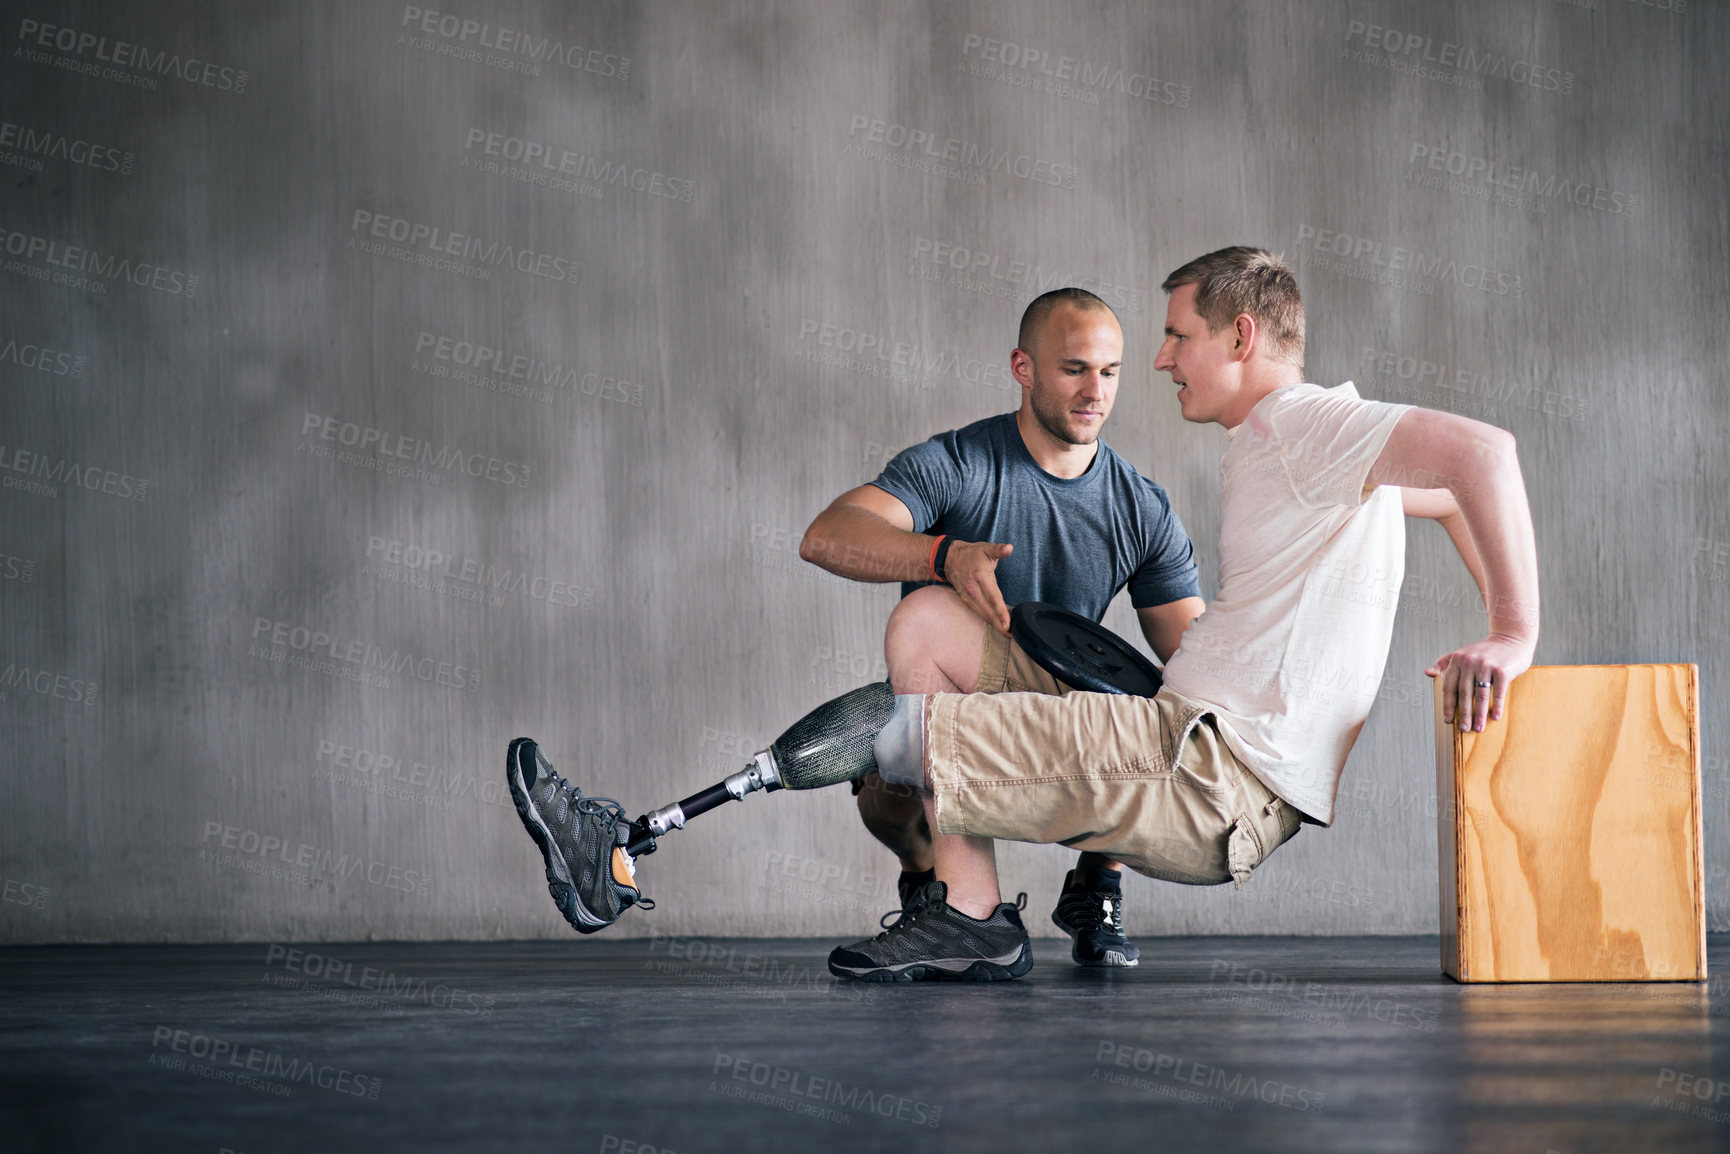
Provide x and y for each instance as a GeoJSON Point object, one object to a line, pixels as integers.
{"type": "Point", "coordinates": [1204, 762]}
{"type": "Point", "coordinates": [1243, 850]}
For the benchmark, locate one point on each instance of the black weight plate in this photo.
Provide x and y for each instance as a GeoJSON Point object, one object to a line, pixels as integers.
{"type": "Point", "coordinates": [1087, 656]}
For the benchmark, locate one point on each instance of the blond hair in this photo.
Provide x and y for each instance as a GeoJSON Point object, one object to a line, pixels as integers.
{"type": "Point", "coordinates": [1240, 279]}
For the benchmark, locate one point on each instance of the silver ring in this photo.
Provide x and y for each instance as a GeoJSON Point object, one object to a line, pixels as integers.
{"type": "Point", "coordinates": [1484, 684]}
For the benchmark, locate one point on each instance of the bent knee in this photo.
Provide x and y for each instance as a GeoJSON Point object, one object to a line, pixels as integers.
{"type": "Point", "coordinates": [931, 607]}
{"type": "Point", "coordinates": [886, 804]}
{"type": "Point", "coordinates": [933, 642]}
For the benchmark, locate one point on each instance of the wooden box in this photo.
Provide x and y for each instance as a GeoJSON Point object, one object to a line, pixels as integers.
{"type": "Point", "coordinates": [1569, 832]}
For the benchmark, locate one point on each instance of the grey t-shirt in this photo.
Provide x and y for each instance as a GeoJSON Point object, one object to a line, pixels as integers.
{"type": "Point", "coordinates": [1077, 541]}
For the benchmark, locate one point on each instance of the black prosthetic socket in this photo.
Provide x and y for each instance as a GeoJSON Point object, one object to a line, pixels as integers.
{"type": "Point", "coordinates": [833, 743]}
{"type": "Point", "coordinates": [829, 745]}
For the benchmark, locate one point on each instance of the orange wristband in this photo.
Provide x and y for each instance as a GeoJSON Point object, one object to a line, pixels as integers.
{"type": "Point", "coordinates": [936, 545]}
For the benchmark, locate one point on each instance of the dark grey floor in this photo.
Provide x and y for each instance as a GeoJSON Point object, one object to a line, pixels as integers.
{"type": "Point", "coordinates": [703, 1045]}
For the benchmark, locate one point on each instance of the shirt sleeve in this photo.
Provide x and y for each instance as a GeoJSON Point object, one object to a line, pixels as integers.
{"type": "Point", "coordinates": [1328, 442]}
{"type": "Point", "coordinates": [926, 478]}
{"type": "Point", "coordinates": [1167, 571]}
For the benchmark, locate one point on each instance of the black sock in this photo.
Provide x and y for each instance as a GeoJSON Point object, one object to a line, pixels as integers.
{"type": "Point", "coordinates": [1091, 871]}
{"type": "Point", "coordinates": [921, 879]}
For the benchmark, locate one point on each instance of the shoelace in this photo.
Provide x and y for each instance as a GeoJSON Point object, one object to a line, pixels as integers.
{"type": "Point", "coordinates": [1116, 914]}
{"type": "Point", "coordinates": [905, 912]}
{"type": "Point", "coordinates": [919, 905]}
{"type": "Point", "coordinates": [1101, 909]}
{"type": "Point", "coordinates": [604, 807]}
{"type": "Point", "coordinates": [612, 813]}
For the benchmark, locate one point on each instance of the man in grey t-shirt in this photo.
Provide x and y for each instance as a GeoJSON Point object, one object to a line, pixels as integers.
{"type": "Point", "coordinates": [1026, 506]}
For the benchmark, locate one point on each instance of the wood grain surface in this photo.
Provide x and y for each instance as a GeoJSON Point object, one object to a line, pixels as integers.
{"type": "Point", "coordinates": [1572, 848]}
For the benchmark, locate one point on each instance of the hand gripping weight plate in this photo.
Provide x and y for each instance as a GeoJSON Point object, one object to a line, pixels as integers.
{"type": "Point", "coordinates": [1075, 650]}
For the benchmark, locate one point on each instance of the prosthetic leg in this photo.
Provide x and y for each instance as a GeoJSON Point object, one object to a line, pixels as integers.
{"type": "Point", "coordinates": [833, 743]}
{"type": "Point", "coordinates": [829, 745]}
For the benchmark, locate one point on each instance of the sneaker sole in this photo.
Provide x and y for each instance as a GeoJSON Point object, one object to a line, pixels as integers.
{"type": "Point", "coordinates": [558, 877]}
{"type": "Point", "coordinates": [943, 969]}
{"type": "Point", "coordinates": [1112, 959]}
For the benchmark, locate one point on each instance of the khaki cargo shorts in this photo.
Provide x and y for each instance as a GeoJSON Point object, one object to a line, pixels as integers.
{"type": "Point", "coordinates": [1145, 781]}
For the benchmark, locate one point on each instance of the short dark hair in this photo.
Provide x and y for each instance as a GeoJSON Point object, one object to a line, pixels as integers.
{"type": "Point", "coordinates": [1041, 308]}
{"type": "Point", "coordinates": [1241, 279]}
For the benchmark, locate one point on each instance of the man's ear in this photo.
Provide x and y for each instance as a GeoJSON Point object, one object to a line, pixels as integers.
{"type": "Point", "coordinates": [1021, 367]}
{"type": "Point", "coordinates": [1245, 333]}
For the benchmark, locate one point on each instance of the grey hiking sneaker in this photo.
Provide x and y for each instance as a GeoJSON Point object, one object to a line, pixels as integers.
{"type": "Point", "coordinates": [1090, 910]}
{"type": "Point", "coordinates": [590, 875]}
{"type": "Point", "coordinates": [933, 940]}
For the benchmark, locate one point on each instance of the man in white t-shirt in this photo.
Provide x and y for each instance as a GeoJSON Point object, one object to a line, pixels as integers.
{"type": "Point", "coordinates": [1261, 703]}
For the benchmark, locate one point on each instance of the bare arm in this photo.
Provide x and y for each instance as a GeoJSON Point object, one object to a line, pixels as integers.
{"type": "Point", "coordinates": [867, 535]}
{"type": "Point", "coordinates": [1439, 505]}
{"type": "Point", "coordinates": [1164, 625]}
{"type": "Point", "coordinates": [1478, 466]}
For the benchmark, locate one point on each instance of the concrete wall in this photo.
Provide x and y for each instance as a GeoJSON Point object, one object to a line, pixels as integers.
{"type": "Point", "coordinates": [286, 558]}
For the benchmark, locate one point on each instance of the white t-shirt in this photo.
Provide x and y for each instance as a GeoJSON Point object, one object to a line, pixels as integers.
{"type": "Point", "coordinates": [1290, 654]}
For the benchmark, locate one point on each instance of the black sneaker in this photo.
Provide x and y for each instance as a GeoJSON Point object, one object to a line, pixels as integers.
{"type": "Point", "coordinates": [590, 875]}
{"type": "Point", "coordinates": [911, 886]}
{"type": "Point", "coordinates": [936, 941]}
{"type": "Point", "coordinates": [1093, 916]}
